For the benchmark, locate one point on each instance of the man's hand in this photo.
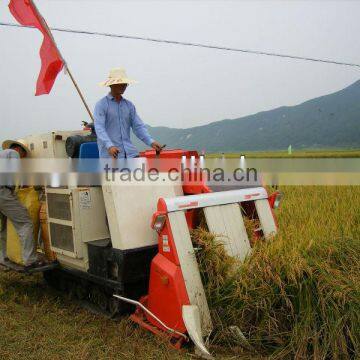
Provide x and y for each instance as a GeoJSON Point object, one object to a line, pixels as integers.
{"type": "Point", "coordinates": [157, 146]}
{"type": "Point", "coordinates": [114, 151]}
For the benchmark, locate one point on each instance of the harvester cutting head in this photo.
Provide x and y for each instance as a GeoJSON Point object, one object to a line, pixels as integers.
{"type": "Point", "coordinates": [176, 305]}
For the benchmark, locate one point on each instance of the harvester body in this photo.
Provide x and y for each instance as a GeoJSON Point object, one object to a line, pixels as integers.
{"type": "Point", "coordinates": [176, 292]}
{"type": "Point", "coordinates": [133, 240]}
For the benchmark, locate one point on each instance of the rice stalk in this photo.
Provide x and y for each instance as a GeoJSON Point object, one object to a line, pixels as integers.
{"type": "Point", "coordinates": [297, 296]}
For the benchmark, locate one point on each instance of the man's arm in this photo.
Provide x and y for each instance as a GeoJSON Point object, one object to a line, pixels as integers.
{"type": "Point", "coordinates": [100, 118]}
{"type": "Point", "coordinates": [15, 165]}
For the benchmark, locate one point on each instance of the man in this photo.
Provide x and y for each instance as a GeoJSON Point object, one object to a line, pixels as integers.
{"type": "Point", "coordinates": [10, 207]}
{"type": "Point", "coordinates": [115, 116]}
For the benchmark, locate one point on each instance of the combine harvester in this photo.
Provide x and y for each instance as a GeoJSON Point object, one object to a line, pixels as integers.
{"type": "Point", "coordinates": [122, 245]}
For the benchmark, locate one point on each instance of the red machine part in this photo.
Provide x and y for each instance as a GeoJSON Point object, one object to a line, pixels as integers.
{"type": "Point", "coordinates": [272, 199]}
{"type": "Point", "coordinates": [167, 291]}
{"type": "Point", "coordinates": [178, 163]}
{"type": "Point", "coordinates": [169, 154]}
{"type": "Point", "coordinates": [138, 317]}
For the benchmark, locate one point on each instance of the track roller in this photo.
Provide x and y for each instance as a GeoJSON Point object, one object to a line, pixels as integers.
{"type": "Point", "coordinates": [99, 297]}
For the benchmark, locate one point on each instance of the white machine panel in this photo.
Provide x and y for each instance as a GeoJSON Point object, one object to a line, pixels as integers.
{"type": "Point", "coordinates": [266, 218]}
{"type": "Point", "coordinates": [190, 269]}
{"type": "Point", "coordinates": [75, 216]}
{"type": "Point", "coordinates": [50, 145]}
{"type": "Point", "coordinates": [227, 223]}
{"type": "Point", "coordinates": [215, 198]}
{"type": "Point", "coordinates": [130, 206]}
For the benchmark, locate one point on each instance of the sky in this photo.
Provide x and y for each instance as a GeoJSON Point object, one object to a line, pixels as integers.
{"type": "Point", "coordinates": [178, 86]}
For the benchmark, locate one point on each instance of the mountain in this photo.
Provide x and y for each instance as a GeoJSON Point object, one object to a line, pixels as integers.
{"type": "Point", "coordinates": [325, 122]}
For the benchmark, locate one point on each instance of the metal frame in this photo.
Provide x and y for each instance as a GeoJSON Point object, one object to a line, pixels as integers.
{"type": "Point", "coordinates": [213, 199]}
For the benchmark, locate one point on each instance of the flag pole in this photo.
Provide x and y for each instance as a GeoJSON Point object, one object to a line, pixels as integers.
{"type": "Point", "coordinates": [79, 92]}
{"type": "Point", "coordinates": [67, 70]}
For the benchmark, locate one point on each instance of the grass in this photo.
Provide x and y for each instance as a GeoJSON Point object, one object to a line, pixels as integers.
{"type": "Point", "coordinates": [296, 297]}
{"type": "Point", "coordinates": [39, 323]}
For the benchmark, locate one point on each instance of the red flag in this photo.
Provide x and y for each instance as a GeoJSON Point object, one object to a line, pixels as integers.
{"type": "Point", "coordinates": [25, 12]}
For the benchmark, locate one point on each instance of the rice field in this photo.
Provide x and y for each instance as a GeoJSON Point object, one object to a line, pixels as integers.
{"type": "Point", "coordinates": [297, 296]}
{"type": "Point", "coordinates": [324, 153]}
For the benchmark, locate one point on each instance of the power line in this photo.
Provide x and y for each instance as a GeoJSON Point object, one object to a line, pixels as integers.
{"type": "Point", "coordinates": [255, 52]}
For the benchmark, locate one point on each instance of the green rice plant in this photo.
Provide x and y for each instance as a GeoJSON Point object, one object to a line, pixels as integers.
{"type": "Point", "coordinates": [297, 295]}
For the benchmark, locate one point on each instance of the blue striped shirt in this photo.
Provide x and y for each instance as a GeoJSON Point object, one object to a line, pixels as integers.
{"type": "Point", "coordinates": [9, 154]}
{"type": "Point", "coordinates": [113, 122]}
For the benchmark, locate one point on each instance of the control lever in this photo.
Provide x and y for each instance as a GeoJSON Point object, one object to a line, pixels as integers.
{"type": "Point", "coordinates": [159, 151]}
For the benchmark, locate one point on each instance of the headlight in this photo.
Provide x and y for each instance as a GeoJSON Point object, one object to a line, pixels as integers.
{"type": "Point", "coordinates": [159, 222]}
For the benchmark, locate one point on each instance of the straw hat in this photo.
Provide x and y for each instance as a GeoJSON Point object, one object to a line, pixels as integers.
{"type": "Point", "coordinates": [117, 76]}
{"type": "Point", "coordinates": [8, 143]}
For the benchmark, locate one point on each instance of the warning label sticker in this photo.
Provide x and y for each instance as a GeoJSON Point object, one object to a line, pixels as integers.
{"type": "Point", "coordinates": [165, 243]}
{"type": "Point", "coordinates": [85, 199]}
